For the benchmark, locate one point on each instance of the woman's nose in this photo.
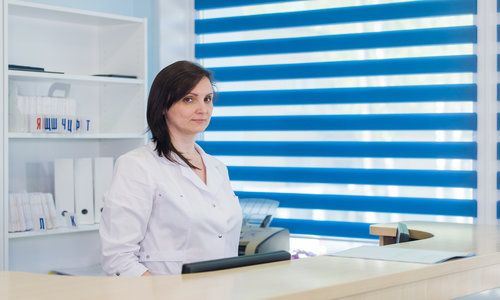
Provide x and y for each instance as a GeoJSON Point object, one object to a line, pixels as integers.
{"type": "Point", "coordinates": [203, 107]}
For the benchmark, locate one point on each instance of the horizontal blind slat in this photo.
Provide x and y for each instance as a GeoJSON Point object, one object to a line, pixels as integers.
{"type": "Point", "coordinates": [391, 94]}
{"type": "Point", "coordinates": [213, 4]}
{"type": "Point", "coordinates": [459, 179]}
{"type": "Point", "coordinates": [400, 38]}
{"type": "Point", "coordinates": [449, 150]}
{"type": "Point", "coordinates": [454, 121]}
{"type": "Point", "coordinates": [393, 11]}
{"type": "Point", "coordinates": [325, 228]}
{"type": "Point", "coordinates": [446, 207]}
{"type": "Point", "coordinates": [421, 65]}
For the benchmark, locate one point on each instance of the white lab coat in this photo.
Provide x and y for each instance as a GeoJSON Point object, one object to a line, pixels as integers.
{"type": "Point", "coordinates": [159, 214]}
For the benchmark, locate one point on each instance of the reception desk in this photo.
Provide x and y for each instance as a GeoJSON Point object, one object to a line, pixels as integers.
{"type": "Point", "coordinates": [322, 277]}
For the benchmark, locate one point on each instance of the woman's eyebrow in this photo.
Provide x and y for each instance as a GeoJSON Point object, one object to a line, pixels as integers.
{"type": "Point", "coordinates": [194, 94]}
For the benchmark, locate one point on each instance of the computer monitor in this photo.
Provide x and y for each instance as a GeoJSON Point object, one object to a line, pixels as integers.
{"type": "Point", "coordinates": [235, 262]}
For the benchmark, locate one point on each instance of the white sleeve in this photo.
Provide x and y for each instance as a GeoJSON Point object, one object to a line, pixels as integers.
{"type": "Point", "coordinates": [127, 208]}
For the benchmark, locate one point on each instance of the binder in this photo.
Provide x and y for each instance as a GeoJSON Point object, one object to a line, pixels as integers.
{"type": "Point", "coordinates": [13, 215]}
{"type": "Point", "coordinates": [103, 173]}
{"type": "Point", "coordinates": [39, 217]}
{"type": "Point", "coordinates": [45, 207]}
{"type": "Point", "coordinates": [28, 216]}
{"type": "Point", "coordinates": [20, 212]}
{"type": "Point", "coordinates": [84, 191]}
{"type": "Point", "coordinates": [54, 217]}
{"type": "Point", "coordinates": [64, 186]}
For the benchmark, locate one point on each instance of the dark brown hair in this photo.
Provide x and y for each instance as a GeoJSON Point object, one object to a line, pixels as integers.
{"type": "Point", "coordinates": [170, 86]}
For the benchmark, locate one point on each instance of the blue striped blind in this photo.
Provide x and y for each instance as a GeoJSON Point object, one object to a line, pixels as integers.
{"type": "Point", "coordinates": [348, 114]}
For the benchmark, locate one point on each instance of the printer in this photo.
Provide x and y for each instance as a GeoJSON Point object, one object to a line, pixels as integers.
{"type": "Point", "coordinates": [256, 235]}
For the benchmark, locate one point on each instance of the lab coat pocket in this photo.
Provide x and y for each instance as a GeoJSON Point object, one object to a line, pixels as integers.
{"type": "Point", "coordinates": [173, 212]}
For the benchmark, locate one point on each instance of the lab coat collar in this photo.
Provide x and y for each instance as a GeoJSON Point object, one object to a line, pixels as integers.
{"type": "Point", "coordinates": [213, 174]}
{"type": "Point", "coordinates": [212, 166]}
{"type": "Point", "coordinates": [162, 159]}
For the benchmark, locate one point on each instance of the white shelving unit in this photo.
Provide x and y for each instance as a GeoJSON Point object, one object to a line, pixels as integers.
{"type": "Point", "coordinates": [97, 136]}
{"type": "Point", "coordinates": [3, 157]}
{"type": "Point", "coordinates": [77, 45]}
{"type": "Point", "coordinates": [30, 76]}
{"type": "Point", "coordinates": [62, 230]}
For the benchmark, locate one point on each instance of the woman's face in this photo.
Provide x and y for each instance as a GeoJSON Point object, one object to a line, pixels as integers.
{"type": "Point", "coordinates": [191, 114]}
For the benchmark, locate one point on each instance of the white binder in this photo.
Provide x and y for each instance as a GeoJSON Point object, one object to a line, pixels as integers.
{"type": "Point", "coordinates": [38, 215]}
{"type": "Point", "coordinates": [13, 215]}
{"type": "Point", "coordinates": [84, 191]}
{"type": "Point", "coordinates": [103, 173]}
{"type": "Point", "coordinates": [28, 215]}
{"type": "Point", "coordinates": [64, 186]}
{"type": "Point", "coordinates": [54, 217]}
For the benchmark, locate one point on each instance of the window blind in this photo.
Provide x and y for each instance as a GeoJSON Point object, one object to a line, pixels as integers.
{"type": "Point", "coordinates": [347, 112]}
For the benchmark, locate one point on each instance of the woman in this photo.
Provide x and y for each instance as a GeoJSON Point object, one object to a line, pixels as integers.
{"type": "Point", "coordinates": [170, 203]}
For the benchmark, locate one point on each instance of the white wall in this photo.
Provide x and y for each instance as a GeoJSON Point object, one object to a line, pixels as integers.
{"type": "Point", "coordinates": [176, 31]}
{"type": "Point", "coordinates": [486, 108]}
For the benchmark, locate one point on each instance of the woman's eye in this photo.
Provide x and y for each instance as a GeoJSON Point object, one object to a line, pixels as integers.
{"type": "Point", "coordinates": [188, 99]}
{"type": "Point", "coordinates": [208, 99]}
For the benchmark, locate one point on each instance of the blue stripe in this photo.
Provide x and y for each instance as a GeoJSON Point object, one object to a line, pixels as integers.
{"type": "Point", "coordinates": [459, 121]}
{"type": "Point", "coordinates": [393, 11]}
{"type": "Point", "coordinates": [433, 36]}
{"type": "Point", "coordinates": [498, 209]}
{"type": "Point", "coordinates": [391, 94]}
{"type": "Point", "coordinates": [498, 150]}
{"type": "Point", "coordinates": [325, 228]}
{"type": "Point", "coordinates": [421, 65]}
{"type": "Point", "coordinates": [211, 4]}
{"type": "Point", "coordinates": [459, 179]}
{"type": "Point", "coordinates": [449, 150]}
{"type": "Point", "coordinates": [404, 205]}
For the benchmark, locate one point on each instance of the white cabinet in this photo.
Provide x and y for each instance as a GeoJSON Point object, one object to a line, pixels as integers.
{"type": "Point", "coordinates": [3, 158]}
{"type": "Point", "coordinates": [72, 46]}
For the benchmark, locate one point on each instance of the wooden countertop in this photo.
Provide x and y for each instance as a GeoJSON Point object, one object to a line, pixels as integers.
{"type": "Point", "coordinates": [321, 277]}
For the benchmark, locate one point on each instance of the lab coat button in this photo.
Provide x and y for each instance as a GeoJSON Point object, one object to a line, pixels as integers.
{"type": "Point", "coordinates": [214, 205]}
{"type": "Point", "coordinates": [117, 274]}
{"type": "Point", "coordinates": [220, 236]}
{"type": "Point", "coordinates": [147, 256]}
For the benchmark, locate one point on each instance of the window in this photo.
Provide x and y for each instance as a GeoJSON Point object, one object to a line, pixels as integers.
{"type": "Point", "coordinates": [347, 112]}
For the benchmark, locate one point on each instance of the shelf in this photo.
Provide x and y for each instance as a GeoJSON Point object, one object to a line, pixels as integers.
{"type": "Point", "coordinates": [69, 15]}
{"type": "Point", "coordinates": [27, 234]}
{"type": "Point", "coordinates": [24, 75]}
{"type": "Point", "coordinates": [96, 136]}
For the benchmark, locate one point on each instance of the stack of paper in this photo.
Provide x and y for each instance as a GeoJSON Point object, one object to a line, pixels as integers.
{"type": "Point", "coordinates": [32, 211]}
{"type": "Point", "coordinates": [402, 254]}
